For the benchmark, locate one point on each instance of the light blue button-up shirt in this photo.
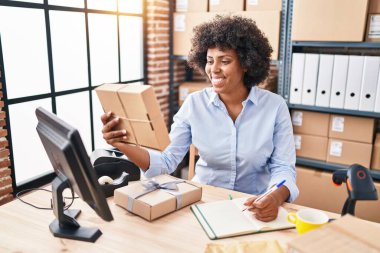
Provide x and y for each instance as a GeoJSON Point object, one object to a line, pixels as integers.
{"type": "Point", "coordinates": [249, 155]}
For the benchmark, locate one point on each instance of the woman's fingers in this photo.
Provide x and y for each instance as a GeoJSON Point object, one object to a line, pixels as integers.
{"type": "Point", "coordinates": [105, 117]}
{"type": "Point", "coordinates": [109, 125]}
{"type": "Point", "coordinates": [120, 134]}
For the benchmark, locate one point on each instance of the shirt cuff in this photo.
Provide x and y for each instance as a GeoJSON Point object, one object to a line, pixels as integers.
{"type": "Point", "coordinates": [290, 184]}
{"type": "Point", "coordinates": [155, 164]}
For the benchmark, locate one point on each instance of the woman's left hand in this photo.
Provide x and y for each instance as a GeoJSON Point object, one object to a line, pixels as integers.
{"type": "Point", "coordinates": [265, 209]}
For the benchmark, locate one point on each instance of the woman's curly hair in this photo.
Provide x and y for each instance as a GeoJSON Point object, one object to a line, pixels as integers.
{"type": "Point", "coordinates": [233, 32]}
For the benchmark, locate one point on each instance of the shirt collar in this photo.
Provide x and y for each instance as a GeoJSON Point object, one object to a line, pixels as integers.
{"type": "Point", "coordinates": [252, 96]}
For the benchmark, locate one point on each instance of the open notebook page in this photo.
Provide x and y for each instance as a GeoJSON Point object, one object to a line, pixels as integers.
{"type": "Point", "coordinates": [280, 222]}
{"type": "Point", "coordinates": [225, 218]}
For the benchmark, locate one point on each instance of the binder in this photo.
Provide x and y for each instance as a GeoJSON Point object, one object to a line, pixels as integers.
{"type": "Point", "coordinates": [298, 61]}
{"type": "Point", "coordinates": [369, 83]}
{"type": "Point", "coordinates": [222, 219]}
{"type": "Point", "coordinates": [354, 81]}
{"type": "Point", "coordinates": [326, 65]}
{"type": "Point", "coordinates": [339, 79]}
{"type": "Point", "coordinates": [377, 103]}
{"type": "Point", "coordinates": [310, 79]}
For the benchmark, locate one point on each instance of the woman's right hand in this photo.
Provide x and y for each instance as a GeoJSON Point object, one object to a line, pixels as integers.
{"type": "Point", "coordinates": [112, 137]}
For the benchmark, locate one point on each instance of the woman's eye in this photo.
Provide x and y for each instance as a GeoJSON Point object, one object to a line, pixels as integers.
{"type": "Point", "coordinates": [225, 62]}
{"type": "Point", "coordinates": [209, 62]}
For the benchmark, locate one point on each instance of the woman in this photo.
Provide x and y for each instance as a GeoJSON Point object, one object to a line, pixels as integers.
{"type": "Point", "coordinates": [243, 134]}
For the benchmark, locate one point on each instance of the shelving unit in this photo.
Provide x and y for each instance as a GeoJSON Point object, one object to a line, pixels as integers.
{"type": "Point", "coordinates": [335, 110]}
{"type": "Point", "coordinates": [354, 48]}
{"type": "Point", "coordinates": [329, 166]}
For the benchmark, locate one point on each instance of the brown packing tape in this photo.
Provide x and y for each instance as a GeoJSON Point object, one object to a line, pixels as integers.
{"type": "Point", "coordinates": [125, 111]}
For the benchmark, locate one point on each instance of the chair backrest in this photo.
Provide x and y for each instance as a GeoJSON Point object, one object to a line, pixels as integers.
{"type": "Point", "coordinates": [192, 153]}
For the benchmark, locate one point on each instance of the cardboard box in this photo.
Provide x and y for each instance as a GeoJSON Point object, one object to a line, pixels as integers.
{"type": "Point", "coordinates": [183, 24]}
{"type": "Point", "coordinates": [375, 164]}
{"type": "Point", "coordinates": [226, 5]}
{"type": "Point", "coordinates": [318, 191]}
{"type": "Point", "coordinates": [329, 20]}
{"type": "Point", "coordinates": [374, 6]}
{"type": "Point", "coordinates": [311, 123]}
{"type": "Point", "coordinates": [263, 5]}
{"type": "Point", "coordinates": [157, 202]}
{"type": "Point", "coordinates": [189, 87]}
{"type": "Point", "coordinates": [349, 152]}
{"type": "Point", "coordinates": [347, 234]}
{"type": "Point", "coordinates": [373, 28]}
{"type": "Point", "coordinates": [267, 21]}
{"type": "Point", "coordinates": [309, 146]}
{"type": "Point", "coordinates": [139, 113]}
{"type": "Point", "coordinates": [191, 5]}
{"type": "Point", "coordinates": [352, 128]}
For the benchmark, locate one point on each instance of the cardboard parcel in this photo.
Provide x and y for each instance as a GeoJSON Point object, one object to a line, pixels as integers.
{"type": "Point", "coordinates": [156, 197]}
{"type": "Point", "coordinates": [347, 234]}
{"type": "Point", "coordinates": [139, 113]}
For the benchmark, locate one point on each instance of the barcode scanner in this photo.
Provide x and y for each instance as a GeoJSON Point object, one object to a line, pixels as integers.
{"type": "Point", "coordinates": [359, 186]}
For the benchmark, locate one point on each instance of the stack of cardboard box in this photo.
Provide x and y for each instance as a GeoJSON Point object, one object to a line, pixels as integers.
{"type": "Point", "coordinates": [310, 134]}
{"type": "Point", "coordinates": [333, 138]}
{"type": "Point", "coordinates": [190, 13]}
{"type": "Point", "coordinates": [350, 140]}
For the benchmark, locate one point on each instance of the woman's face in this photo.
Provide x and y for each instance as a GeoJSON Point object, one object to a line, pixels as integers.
{"type": "Point", "coordinates": [224, 70]}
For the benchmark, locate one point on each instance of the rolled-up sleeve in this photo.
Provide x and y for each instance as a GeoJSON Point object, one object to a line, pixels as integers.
{"type": "Point", "coordinates": [282, 161]}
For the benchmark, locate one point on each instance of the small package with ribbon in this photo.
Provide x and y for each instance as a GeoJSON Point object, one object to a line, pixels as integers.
{"type": "Point", "coordinates": [155, 197]}
{"type": "Point", "coordinates": [138, 111]}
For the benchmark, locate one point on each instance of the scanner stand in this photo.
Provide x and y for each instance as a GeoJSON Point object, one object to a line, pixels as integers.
{"type": "Point", "coordinates": [359, 184]}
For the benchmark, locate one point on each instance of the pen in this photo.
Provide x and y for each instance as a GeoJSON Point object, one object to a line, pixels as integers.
{"type": "Point", "coordinates": [269, 191]}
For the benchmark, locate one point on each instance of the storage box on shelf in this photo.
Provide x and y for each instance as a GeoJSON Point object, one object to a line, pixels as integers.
{"type": "Point", "coordinates": [329, 20]}
{"type": "Point", "coordinates": [318, 191]}
{"type": "Point", "coordinates": [191, 5]}
{"type": "Point", "coordinates": [267, 21]}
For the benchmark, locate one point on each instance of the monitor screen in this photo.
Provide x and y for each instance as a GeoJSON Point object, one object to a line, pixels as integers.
{"type": "Point", "coordinates": [74, 170]}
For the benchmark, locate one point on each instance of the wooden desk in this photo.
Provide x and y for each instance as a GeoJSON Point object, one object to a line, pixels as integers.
{"type": "Point", "coordinates": [26, 229]}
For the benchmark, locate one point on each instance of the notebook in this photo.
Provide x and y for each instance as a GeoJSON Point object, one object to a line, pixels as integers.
{"type": "Point", "coordinates": [221, 219]}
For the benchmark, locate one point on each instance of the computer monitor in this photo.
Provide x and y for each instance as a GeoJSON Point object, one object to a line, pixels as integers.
{"type": "Point", "coordinates": [73, 169]}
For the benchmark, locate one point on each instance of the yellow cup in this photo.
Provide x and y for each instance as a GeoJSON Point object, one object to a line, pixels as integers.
{"type": "Point", "coordinates": [308, 219]}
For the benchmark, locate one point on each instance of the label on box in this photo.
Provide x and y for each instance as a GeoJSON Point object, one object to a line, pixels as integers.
{"type": "Point", "coordinates": [183, 93]}
{"type": "Point", "coordinates": [337, 124]}
{"type": "Point", "coordinates": [336, 148]}
{"type": "Point", "coordinates": [181, 5]}
{"type": "Point", "coordinates": [297, 118]}
{"type": "Point", "coordinates": [180, 23]}
{"type": "Point", "coordinates": [297, 141]}
{"type": "Point", "coordinates": [214, 2]}
{"type": "Point", "coordinates": [374, 27]}
{"type": "Point", "coordinates": [253, 2]}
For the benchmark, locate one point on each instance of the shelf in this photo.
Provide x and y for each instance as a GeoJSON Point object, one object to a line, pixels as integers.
{"type": "Point", "coordinates": [336, 44]}
{"type": "Point", "coordinates": [335, 110]}
{"type": "Point", "coordinates": [184, 58]}
{"type": "Point", "coordinates": [179, 57]}
{"type": "Point", "coordinates": [330, 166]}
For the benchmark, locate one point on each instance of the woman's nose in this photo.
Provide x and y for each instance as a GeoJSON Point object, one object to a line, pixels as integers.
{"type": "Point", "coordinates": [215, 67]}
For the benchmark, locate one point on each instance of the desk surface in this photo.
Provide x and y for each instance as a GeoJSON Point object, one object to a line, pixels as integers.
{"type": "Point", "coordinates": [26, 229]}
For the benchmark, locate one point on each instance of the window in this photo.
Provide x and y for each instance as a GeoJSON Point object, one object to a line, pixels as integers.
{"type": "Point", "coordinates": [53, 55]}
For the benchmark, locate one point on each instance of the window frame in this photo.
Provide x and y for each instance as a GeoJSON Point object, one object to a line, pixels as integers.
{"type": "Point", "coordinates": [45, 179]}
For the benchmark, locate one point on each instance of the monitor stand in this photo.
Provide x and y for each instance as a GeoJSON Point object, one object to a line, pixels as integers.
{"type": "Point", "coordinates": [65, 225]}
